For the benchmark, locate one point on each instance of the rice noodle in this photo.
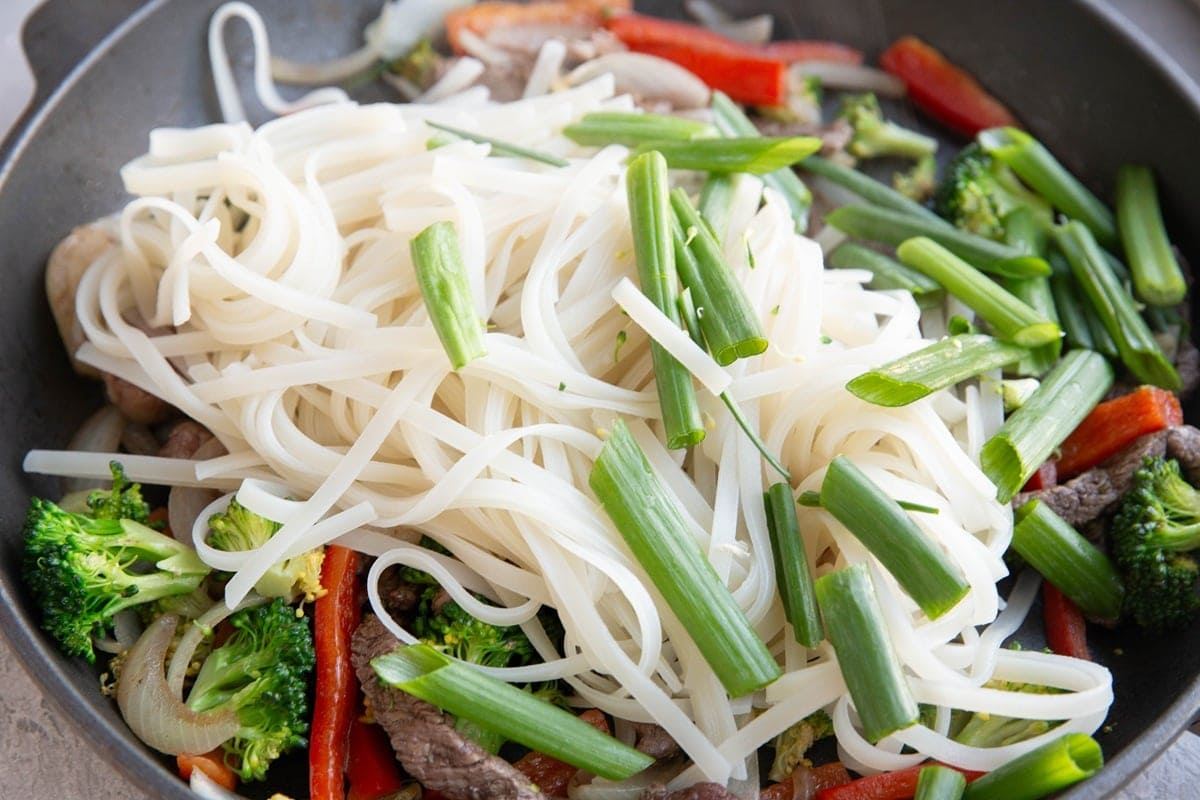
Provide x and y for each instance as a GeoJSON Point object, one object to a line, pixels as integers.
{"type": "Point", "coordinates": [300, 338]}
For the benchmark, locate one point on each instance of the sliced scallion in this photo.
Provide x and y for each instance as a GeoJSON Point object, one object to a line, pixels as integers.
{"type": "Point", "coordinates": [600, 128]}
{"type": "Point", "coordinates": [811, 499]}
{"type": "Point", "coordinates": [888, 273]}
{"type": "Point", "coordinates": [442, 278]}
{"type": "Point", "coordinates": [1062, 556]}
{"type": "Point", "coordinates": [756, 155]}
{"type": "Point", "coordinates": [715, 199]}
{"type": "Point", "coordinates": [502, 148]}
{"type": "Point", "coordinates": [792, 572]}
{"type": "Point", "coordinates": [855, 627]}
{"type": "Point", "coordinates": [936, 782]}
{"type": "Point", "coordinates": [650, 522]}
{"type": "Point", "coordinates": [1157, 277]}
{"type": "Point", "coordinates": [886, 226]}
{"type": "Point", "coordinates": [915, 561]}
{"type": "Point", "coordinates": [1057, 406]}
{"type": "Point", "coordinates": [873, 191]}
{"type": "Point", "coordinates": [1139, 350]}
{"type": "Point", "coordinates": [937, 366]}
{"type": "Point", "coordinates": [1009, 317]}
{"type": "Point", "coordinates": [650, 218]}
{"type": "Point", "coordinates": [1042, 771]}
{"type": "Point", "coordinates": [452, 686]}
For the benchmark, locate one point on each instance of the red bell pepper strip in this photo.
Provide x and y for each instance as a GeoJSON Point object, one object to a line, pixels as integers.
{"type": "Point", "coordinates": [1066, 629]}
{"type": "Point", "coordinates": [211, 764]}
{"type": "Point", "coordinates": [738, 69]}
{"type": "Point", "coordinates": [550, 775]}
{"type": "Point", "coordinates": [482, 18]}
{"type": "Point", "coordinates": [943, 90]}
{"type": "Point", "coordinates": [792, 50]}
{"type": "Point", "coordinates": [826, 776]}
{"type": "Point", "coordinates": [898, 785]}
{"type": "Point", "coordinates": [335, 616]}
{"type": "Point", "coordinates": [1046, 477]}
{"type": "Point", "coordinates": [371, 768]}
{"type": "Point", "coordinates": [1115, 423]}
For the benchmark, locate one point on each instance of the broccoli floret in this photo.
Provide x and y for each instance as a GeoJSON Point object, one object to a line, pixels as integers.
{"type": "Point", "coordinates": [792, 744]}
{"type": "Point", "coordinates": [239, 528]}
{"type": "Point", "coordinates": [977, 192]}
{"type": "Point", "coordinates": [1157, 524]}
{"type": "Point", "coordinates": [980, 729]}
{"type": "Point", "coordinates": [261, 673]}
{"type": "Point", "coordinates": [919, 182]}
{"type": "Point", "coordinates": [82, 571]}
{"type": "Point", "coordinates": [875, 136]}
{"type": "Point", "coordinates": [123, 501]}
{"type": "Point", "coordinates": [444, 625]}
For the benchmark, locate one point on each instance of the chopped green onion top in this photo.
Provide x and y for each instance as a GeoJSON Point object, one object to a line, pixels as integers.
{"type": "Point", "coordinates": [442, 278]}
{"type": "Point", "coordinates": [916, 562]}
{"type": "Point", "coordinates": [757, 155]}
{"type": "Point", "coordinates": [600, 128]}
{"type": "Point", "coordinates": [888, 273]}
{"type": "Point", "coordinates": [871, 190]}
{"type": "Point", "coordinates": [937, 366]}
{"type": "Point", "coordinates": [649, 520]}
{"type": "Point", "coordinates": [936, 782]}
{"type": "Point", "coordinates": [1157, 276]}
{"type": "Point", "coordinates": [792, 572]}
{"type": "Point", "coordinates": [501, 147]}
{"type": "Point", "coordinates": [1041, 772]}
{"type": "Point", "coordinates": [467, 693]}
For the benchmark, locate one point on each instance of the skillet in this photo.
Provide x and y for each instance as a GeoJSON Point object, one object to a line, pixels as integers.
{"type": "Point", "coordinates": [1098, 94]}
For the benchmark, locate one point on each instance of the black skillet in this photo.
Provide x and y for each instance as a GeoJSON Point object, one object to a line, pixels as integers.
{"type": "Point", "coordinates": [1097, 92]}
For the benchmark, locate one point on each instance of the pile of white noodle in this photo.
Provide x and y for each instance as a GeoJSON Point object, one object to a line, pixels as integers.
{"type": "Point", "coordinates": [263, 286]}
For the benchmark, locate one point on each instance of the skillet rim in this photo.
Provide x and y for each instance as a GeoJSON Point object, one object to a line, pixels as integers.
{"type": "Point", "coordinates": [41, 660]}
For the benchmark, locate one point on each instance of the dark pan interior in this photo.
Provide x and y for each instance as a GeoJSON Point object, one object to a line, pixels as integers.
{"type": "Point", "coordinates": [1097, 94]}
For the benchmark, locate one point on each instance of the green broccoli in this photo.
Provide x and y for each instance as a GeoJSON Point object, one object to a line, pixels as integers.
{"type": "Point", "coordinates": [875, 136]}
{"type": "Point", "coordinates": [82, 570]}
{"type": "Point", "coordinates": [239, 528]}
{"type": "Point", "coordinates": [919, 182]}
{"type": "Point", "coordinates": [977, 192]}
{"type": "Point", "coordinates": [980, 729]}
{"type": "Point", "coordinates": [792, 744]}
{"type": "Point", "coordinates": [261, 673]}
{"type": "Point", "coordinates": [1157, 524]}
{"type": "Point", "coordinates": [444, 625]}
{"type": "Point", "coordinates": [123, 501]}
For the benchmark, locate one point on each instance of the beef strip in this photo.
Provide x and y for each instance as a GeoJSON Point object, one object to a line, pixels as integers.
{"type": "Point", "coordinates": [700, 791]}
{"type": "Point", "coordinates": [654, 741]}
{"type": "Point", "coordinates": [184, 439]}
{"type": "Point", "coordinates": [424, 738]}
{"type": "Point", "coordinates": [1095, 493]}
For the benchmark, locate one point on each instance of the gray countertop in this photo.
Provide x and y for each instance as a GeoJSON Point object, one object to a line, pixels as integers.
{"type": "Point", "coordinates": [45, 758]}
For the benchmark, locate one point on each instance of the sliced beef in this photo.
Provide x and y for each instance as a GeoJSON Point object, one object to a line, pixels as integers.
{"type": "Point", "coordinates": [654, 741]}
{"type": "Point", "coordinates": [1095, 493]}
{"type": "Point", "coordinates": [700, 791]}
{"type": "Point", "coordinates": [424, 738]}
{"type": "Point", "coordinates": [398, 595]}
{"type": "Point", "coordinates": [135, 403]}
{"type": "Point", "coordinates": [184, 439]}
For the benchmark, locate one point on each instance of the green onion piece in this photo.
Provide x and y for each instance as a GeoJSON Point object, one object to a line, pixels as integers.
{"type": "Point", "coordinates": [940, 783]}
{"type": "Point", "coordinates": [631, 128]}
{"type": "Point", "coordinates": [791, 566]}
{"type": "Point", "coordinates": [1024, 230]}
{"type": "Point", "coordinates": [732, 121]}
{"type": "Point", "coordinates": [687, 311]}
{"type": "Point", "coordinates": [855, 627]}
{"type": "Point", "coordinates": [1062, 556]}
{"type": "Point", "coordinates": [1072, 315]}
{"type": "Point", "coordinates": [873, 191]}
{"type": "Point", "coordinates": [757, 155]}
{"type": "Point", "coordinates": [1038, 167]}
{"type": "Point", "coordinates": [888, 273]}
{"type": "Point", "coordinates": [812, 499]}
{"type": "Point", "coordinates": [468, 694]}
{"type": "Point", "coordinates": [1009, 317]}
{"type": "Point", "coordinates": [1040, 772]}
{"type": "Point", "coordinates": [1139, 350]}
{"type": "Point", "coordinates": [941, 364]}
{"type": "Point", "coordinates": [1157, 276]}
{"type": "Point", "coordinates": [650, 218]}
{"type": "Point", "coordinates": [487, 738]}
{"type": "Point", "coordinates": [730, 326]}
{"type": "Point", "coordinates": [715, 199]}
{"type": "Point", "coordinates": [875, 519]}
{"type": "Point", "coordinates": [1057, 406]}
{"type": "Point", "coordinates": [442, 277]}
{"type": "Point", "coordinates": [649, 520]}
{"type": "Point", "coordinates": [890, 227]}
{"type": "Point", "coordinates": [501, 147]}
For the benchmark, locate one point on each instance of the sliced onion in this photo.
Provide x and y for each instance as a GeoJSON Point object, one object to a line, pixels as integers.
{"type": "Point", "coordinates": [185, 503]}
{"type": "Point", "coordinates": [848, 77]}
{"type": "Point", "coordinates": [127, 628]}
{"type": "Point", "coordinates": [99, 433]}
{"type": "Point", "coordinates": [157, 717]}
{"type": "Point", "coordinates": [754, 30]}
{"type": "Point", "coordinates": [645, 76]}
{"type": "Point", "coordinates": [208, 789]}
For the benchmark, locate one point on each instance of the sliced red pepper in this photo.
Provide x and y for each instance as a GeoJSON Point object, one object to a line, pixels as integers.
{"type": "Point", "coordinates": [482, 18]}
{"type": "Point", "coordinates": [943, 90]}
{"type": "Point", "coordinates": [1046, 477]}
{"type": "Point", "coordinates": [826, 776]}
{"type": "Point", "coordinates": [550, 775]}
{"type": "Point", "coordinates": [898, 785]}
{"type": "Point", "coordinates": [1066, 629]}
{"type": "Point", "coordinates": [738, 69]}
{"type": "Point", "coordinates": [1114, 424]}
{"type": "Point", "coordinates": [335, 616]}
{"type": "Point", "coordinates": [372, 768]}
{"type": "Point", "coordinates": [211, 764]}
{"type": "Point", "coordinates": [793, 50]}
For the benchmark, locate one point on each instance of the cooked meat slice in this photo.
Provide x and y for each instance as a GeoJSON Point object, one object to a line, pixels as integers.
{"type": "Point", "coordinates": [1187, 361]}
{"type": "Point", "coordinates": [654, 741]}
{"type": "Point", "coordinates": [135, 403]}
{"type": "Point", "coordinates": [701, 791]}
{"type": "Point", "coordinates": [64, 269]}
{"type": "Point", "coordinates": [1183, 445]}
{"type": "Point", "coordinates": [184, 439]}
{"type": "Point", "coordinates": [399, 597]}
{"type": "Point", "coordinates": [424, 738]}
